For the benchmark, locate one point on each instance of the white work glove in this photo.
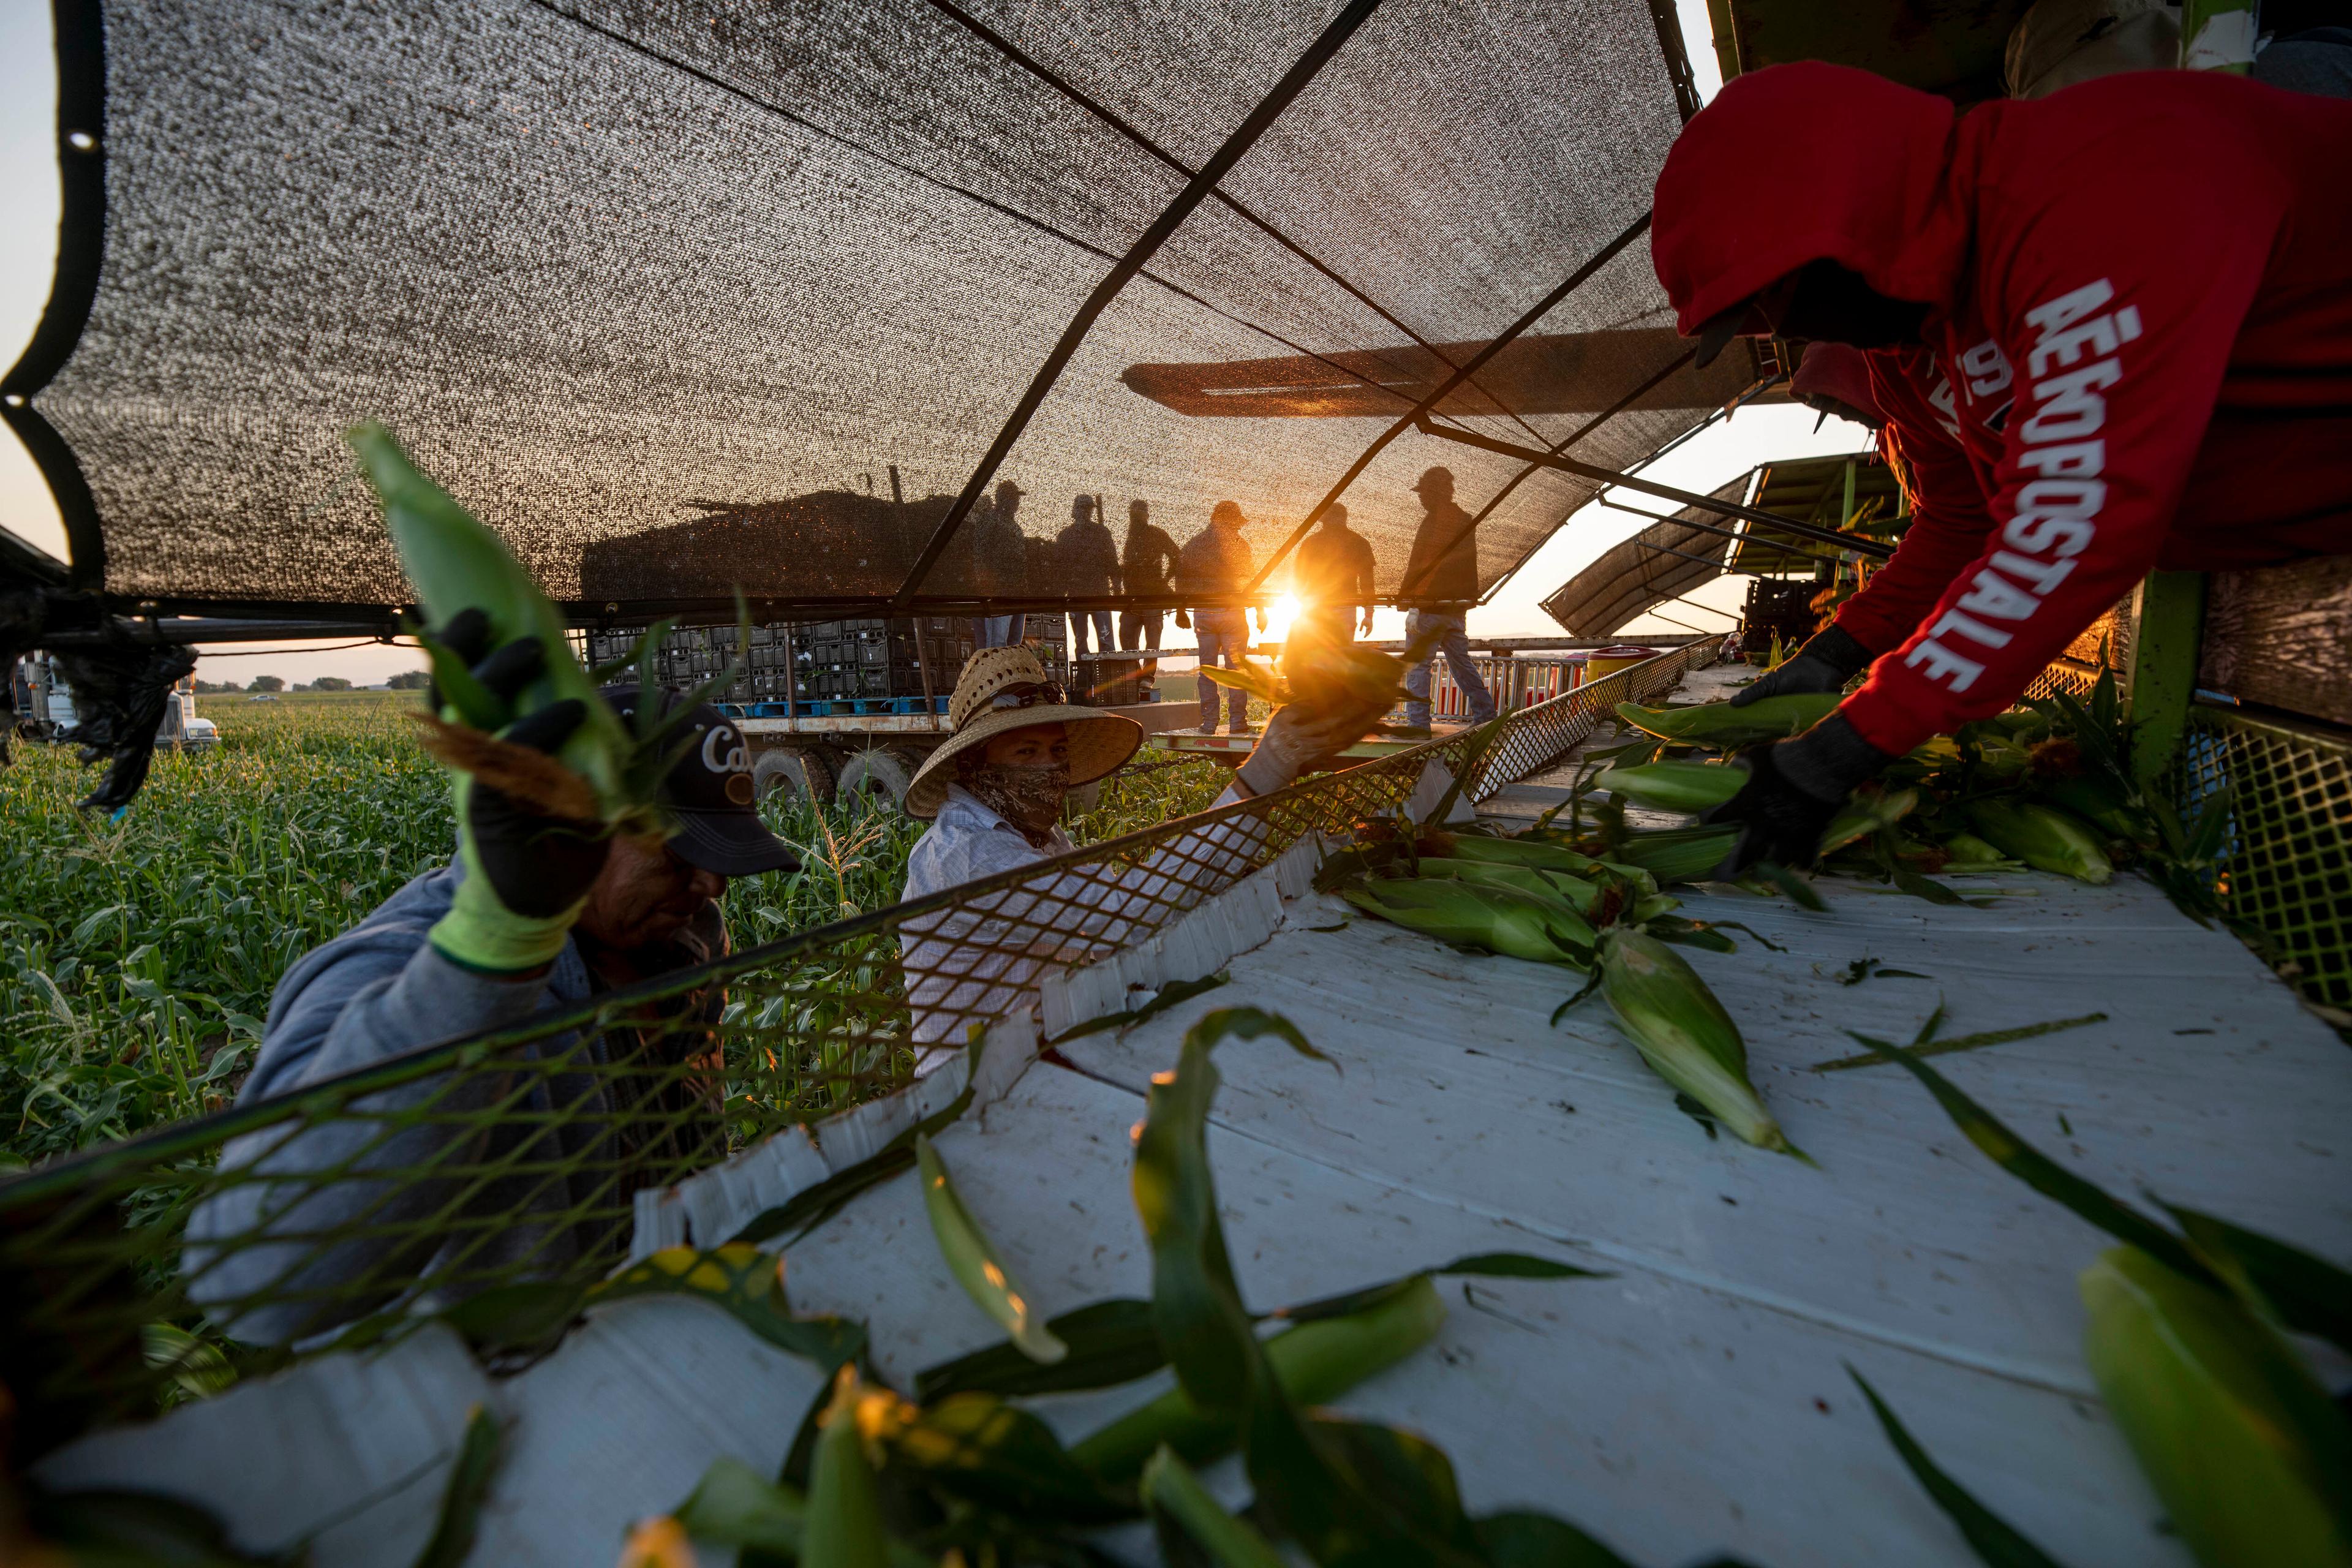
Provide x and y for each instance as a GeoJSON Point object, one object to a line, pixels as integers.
{"type": "Point", "coordinates": [1297, 742]}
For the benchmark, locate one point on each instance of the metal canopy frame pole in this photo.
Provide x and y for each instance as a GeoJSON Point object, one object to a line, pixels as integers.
{"type": "Point", "coordinates": [1419, 414]}
{"type": "Point", "coordinates": [1609, 477]}
{"type": "Point", "coordinates": [1133, 133]}
{"type": "Point", "coordinates": [1731, 534]}
{"type": "Point", "coordinates": [1413, 580]}
{"type": "Point", "coordinates": [1245, 136]}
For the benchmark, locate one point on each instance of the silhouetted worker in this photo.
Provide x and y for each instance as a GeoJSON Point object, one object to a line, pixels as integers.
{"type": "Point", "coordinates": [1146, 562]}
{"type": "Point", "coordinates": [1000, 563]}
{"type": "Point", "coordinates": [1441, 583]}
{"type": "Point", "coordinates": [1216, 561]}
{"type": "Point", "coordinates": [1332, 575]}
{"type": "Point", "coordinates": [1088, 559]}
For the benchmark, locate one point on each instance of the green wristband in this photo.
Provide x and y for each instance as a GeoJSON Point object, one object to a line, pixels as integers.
{"type": "Point", "coordinates": [482, 934]}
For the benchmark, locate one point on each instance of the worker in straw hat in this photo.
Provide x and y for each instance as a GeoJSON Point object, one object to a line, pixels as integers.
{"type": "Point", "coordinates": [994, 795]}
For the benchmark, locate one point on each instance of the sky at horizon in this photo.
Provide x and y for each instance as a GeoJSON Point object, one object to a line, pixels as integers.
{"type": "Point", "coordinates": [28, 217]}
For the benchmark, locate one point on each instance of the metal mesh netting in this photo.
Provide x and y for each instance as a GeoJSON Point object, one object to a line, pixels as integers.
{"type": "Point", "coordinates": [548, 1152]}
{"type": "Point", "coordinates": [689, 299]}
{"type": "Point", "coordinates": [2286, 865]}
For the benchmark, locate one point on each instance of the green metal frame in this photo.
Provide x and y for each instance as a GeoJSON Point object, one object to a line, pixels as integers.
{"type": "Point", "coordinates": [2160, 674]}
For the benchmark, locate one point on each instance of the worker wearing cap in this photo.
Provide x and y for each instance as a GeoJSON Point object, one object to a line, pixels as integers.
{"type": "Point", "coordinates": [2133, 296]}
{"type": "Point", "coordinates": [1086, 558]}
{"type": "Point", "coordinates": [1441, 583]}
{"type": "Point", "coordinates": [534, 914]}
{"type": "Point", "coordinates": [994, 795]}
{"type": "Point", "coordinates": [1216, 561]}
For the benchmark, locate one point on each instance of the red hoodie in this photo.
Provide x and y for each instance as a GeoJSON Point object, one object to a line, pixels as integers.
{"type": "Point", "coordinates": [2138, 350]}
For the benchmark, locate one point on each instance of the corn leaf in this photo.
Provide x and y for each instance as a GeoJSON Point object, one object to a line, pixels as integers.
{"type": "Point", "coordinates": [749, 1285]}
{"type": "Point", "coordinates": [1483, 1264]}
{"type": "Point", "coordinates": [805, 1211]}
{"type": "Point", "coordinates": [1000, 1458]}
{"type": "Point", "coordinates": [734, 1505]}
{"type": "Point", "coordinates": [1799, 891]}
{"type": "Point", "coordinates": [1171, 994]}
{"type": "Point", "coordinates": [1520, 1540]}
{"type": "Point", "coordinates": [1178, 1500]}
{"type": "Point", "coordinates": [1991, 1537]}
{"type": "Point", "coordinates": [1958, 1043]}
{"type": "Point", "coordinates": [976, 1263]}
{"type": "Point", "coordinates": [460, 1517]}
{"type": "Point", "coordinates": [1472, 755]}
{"type": "Point", "coordinates": [1111, 1342]}
{"type": "Point", "coordinates": [2305, 1293]}
{"type": "Point", "coordinates": [843, 1522]}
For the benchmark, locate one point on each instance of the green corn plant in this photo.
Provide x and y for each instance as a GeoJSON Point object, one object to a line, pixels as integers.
{"type": "Point", "coordinates": [1721, 726]}
{"type": "Point", "coordinates": [1683, 1032]}
{"type": "Point", "coordinates": [2253, 1459]}
{"type": "Point", "coordinates": [1675, 786]}
{"type": "Point", "coordinates": [973, 1259]}
{"type": "Point", "coordinates": [2042, 837]}
{"type": "Point", "coordinates": [1497, 919]}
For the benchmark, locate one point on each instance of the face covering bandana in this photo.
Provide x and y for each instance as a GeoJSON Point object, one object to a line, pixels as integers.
{"type": "Point", "coordinates": [1028, 798]}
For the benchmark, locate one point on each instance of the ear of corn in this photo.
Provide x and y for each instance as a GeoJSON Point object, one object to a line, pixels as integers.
{"type": "Point", "coordinates": [2098, 802]}
{"type": "Point", "coordinates": [1577, 895]}
{"type": "Point", "coordinates": [1683, 1032]}
{"type": "Point", "coordinates": [1499, 919]}
{"type": "Point", "coordinates": [1721, 726]}
{"type": "Point", "coordinates": [974, 1261]}
{"type": "Point", "coordinates": [1675, 786]}
{"type": "Point", "coordinates": [843, 1527]}
{"type": "Point", "coordinates": [1679, 854]}
{"type": "Point", "coordinates": [1177, 1495]}
{"type": "Point", "coordinates": [1314, 1363]}
{"type": "Point", "coordinates": [456, 563]}
{"type": "Point", "coordinates": [1864, 814]}
{"type": "Point", "coordinates": [2252, 1458]}
{"type": "Point", "coordinates": [1967, 849]}
{"type": "Point", "coordinates": [1536, 854]}
{"type": "Point", "coordinates": [2042, 837]}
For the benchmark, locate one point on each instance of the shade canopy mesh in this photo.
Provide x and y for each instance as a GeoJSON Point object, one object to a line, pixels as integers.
{"type": "Point", "coordinates": [689, 299]}
{"type": "Point", "coordinates": [1665, 561]}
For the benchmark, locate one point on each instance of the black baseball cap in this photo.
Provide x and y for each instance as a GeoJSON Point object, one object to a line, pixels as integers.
{"type": "Point", "coordinates": [710, 789]}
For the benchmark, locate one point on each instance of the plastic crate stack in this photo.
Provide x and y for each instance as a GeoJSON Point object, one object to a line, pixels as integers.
{"type": "Point", "coordinates": [818, 661]}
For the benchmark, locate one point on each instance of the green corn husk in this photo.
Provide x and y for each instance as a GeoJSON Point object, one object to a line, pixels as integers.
{"type": "Point", "coordinates": [1683, 1032]}
{"type": "Point", "coordinates": [1675, 786]}
{"type": "Point", "coordinates": [1314, 1363]}
{"type": "Point", "coordinates": [1721, 726]}
{"type": "Point", "coordinates": [1864, 813]}
{"type": "Point", "coordinates": [1967, 849]}
{"type": "Point", "coordinates": [456, 563]}
{"type": "Point", "coordinates": [1679, 854]}
{"type": "Point", "coordinates": [2043, 837]}
{"type": "Point", "coordinates": [1173, 1492]}
{"type": "Point", "coordinates": [972, 1258]}
{"type": "Point", "coordinates": [1499, 919]}
{"type": "Point", "coordinates": [1536, 854]}
{"type": "Point", "coordinates": [2099, 802]}
{"type": "Point", "coordinates": [1576, 894]}
{"type": "Point", "coordinates": [2252, 1458]}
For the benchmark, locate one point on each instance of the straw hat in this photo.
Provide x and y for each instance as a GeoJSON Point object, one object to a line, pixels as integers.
{"type": "Point", "coordinates": [1005, 688]}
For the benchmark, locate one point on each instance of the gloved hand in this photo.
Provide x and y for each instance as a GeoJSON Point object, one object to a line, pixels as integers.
{"type": "Point", "coordinates": [1794, 787]}
{"type": "Point", "coordinates": [1301, 737]}
{"type": "Point", "coordinates": [527, 873]}
{"type": "Point", "coordinates": [1825, 664]}
{"type": "Point", "coordinates": [1183, 621]}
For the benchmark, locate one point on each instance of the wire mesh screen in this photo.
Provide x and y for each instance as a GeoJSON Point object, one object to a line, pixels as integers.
{"type": "Point", "coordinates": [354, 1208]}
{"type": "Point", "coordinates": [688, 299]}
{"type": "Point", "coordinates": [2286, 863]}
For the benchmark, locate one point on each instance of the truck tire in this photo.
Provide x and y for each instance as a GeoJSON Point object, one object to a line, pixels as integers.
{"type": "Point", "coordinates": [884, 771]}
{"type": "Point", "coordinates": [801, 771]}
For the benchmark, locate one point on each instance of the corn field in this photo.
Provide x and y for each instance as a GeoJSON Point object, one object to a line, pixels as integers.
{"type": "Point", "coordinates": [137, 958]}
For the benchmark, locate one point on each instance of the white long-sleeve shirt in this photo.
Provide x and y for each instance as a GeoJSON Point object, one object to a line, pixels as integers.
{"type": "Point", "coordinates": [968, 964]}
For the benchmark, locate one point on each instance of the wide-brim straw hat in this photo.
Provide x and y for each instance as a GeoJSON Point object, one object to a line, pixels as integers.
{"type": "Point", "coordinates": [1005, 688]}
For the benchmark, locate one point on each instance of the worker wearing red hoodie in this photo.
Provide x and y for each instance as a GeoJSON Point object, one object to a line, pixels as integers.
{"type": "Point", "coordinates": [2128, 306]}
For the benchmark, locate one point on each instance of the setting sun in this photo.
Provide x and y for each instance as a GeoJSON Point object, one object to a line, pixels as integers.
{"type": "Point", "coordinates": [1279, 614]}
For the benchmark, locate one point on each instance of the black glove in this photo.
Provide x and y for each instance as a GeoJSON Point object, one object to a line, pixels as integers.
{"type": "Point", "coordinates": [1794, 787]}
{"type": "Point", "coordinates": [526, 872]}
{"type": "Point", "coordinates": [1825, 664]}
